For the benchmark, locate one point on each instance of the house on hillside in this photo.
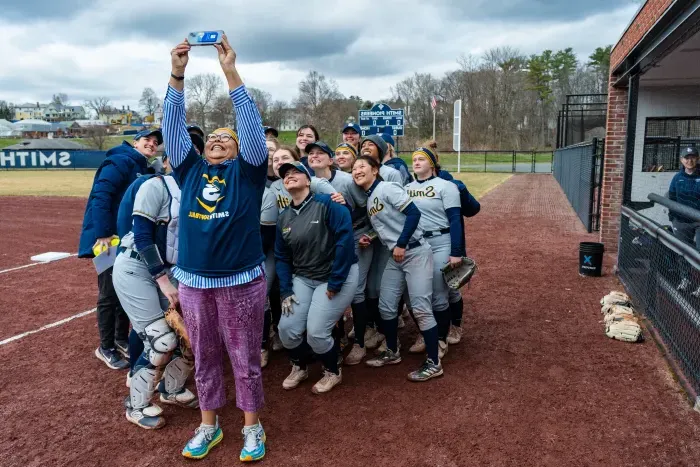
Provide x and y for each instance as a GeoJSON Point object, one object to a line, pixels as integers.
{"type": "Point", "coordinates": [33, 128]}
{"type": "Point", "coordinates": [49, 112]}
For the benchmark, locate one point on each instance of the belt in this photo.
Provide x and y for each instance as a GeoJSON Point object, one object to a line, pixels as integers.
{"type": "Point", "coordinates": [133, 254]}
{"type": "Point", "coordinates": [436, 233]}
{"type": "Point", "coordinates": [412, 245]}
{"type": "Point", "coordinates": [360, 225]}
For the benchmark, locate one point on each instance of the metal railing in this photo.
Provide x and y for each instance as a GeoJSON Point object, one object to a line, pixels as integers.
{"type": "Point", "coordinates": [492, 160]}
{"type": "Point", "coordinates": [662, 275]}
{"type": "Point", "coordinates": [579, 171]}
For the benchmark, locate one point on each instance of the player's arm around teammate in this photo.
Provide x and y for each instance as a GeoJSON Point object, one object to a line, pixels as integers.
{"type": "Point", "coordinates": [396, 219]}
{"type": "Point", "coordinates": [222, 282]}
{"type": "Point", "coordinates": [318, 274]}
{"type": "Point", "coordinates": [441, 221]}
{"type": "Point", "coordinates": [145, 286]}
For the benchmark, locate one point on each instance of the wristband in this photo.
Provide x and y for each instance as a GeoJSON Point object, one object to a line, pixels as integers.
{"type": "Point", "coordinates": [179, 78]}
{"type": "Point", "coordinates": [160, 274]}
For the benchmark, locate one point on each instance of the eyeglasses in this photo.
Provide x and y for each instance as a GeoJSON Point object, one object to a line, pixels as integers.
{"type": "Point", "coordinates": [223, 137]}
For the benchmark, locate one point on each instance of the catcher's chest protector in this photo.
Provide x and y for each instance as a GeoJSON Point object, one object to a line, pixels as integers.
{"type": "Point", "coordinates": [171, 244]}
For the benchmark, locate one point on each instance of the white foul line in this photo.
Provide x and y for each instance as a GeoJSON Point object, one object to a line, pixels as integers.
{"type": "Point", "coordinates": [32, 264]}
{"type": "Point", "coordinates": [48, 326]}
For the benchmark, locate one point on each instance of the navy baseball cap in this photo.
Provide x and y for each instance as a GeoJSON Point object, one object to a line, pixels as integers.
{"type": "Point", "coordinates": [296, 165]}
{"type": "Point", "coordinates": [322, 146]}
{"type": "Point", "coordinates": [269, 129]}
{"type": "Point", "coordinates": [388, 138]}
{"type": "Point", "coordinates": [156, 133]}
{"type": "Point", "coordinates": [690, 151]}
{"type": "Point", "coordinates": [195, 129]}
{"type": "Point", "coordinates": [352, 126]}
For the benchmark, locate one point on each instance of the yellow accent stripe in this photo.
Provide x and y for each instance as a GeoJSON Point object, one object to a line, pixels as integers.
{"type": "Point", "coordinates": [423, 153]}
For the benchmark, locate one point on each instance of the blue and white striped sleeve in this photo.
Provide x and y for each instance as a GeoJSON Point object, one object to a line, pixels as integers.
{"type": "Point", "coordinates": [249, 127]}
{"type": "Point", "coordinates": [175, 136]}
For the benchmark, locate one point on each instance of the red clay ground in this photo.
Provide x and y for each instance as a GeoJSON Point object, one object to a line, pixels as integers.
{"type": "Point", "coordinates": [536, 382]}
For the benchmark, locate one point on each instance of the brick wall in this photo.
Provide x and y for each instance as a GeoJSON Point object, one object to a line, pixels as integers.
{"type": "Point", "coordinates": [647, 16]}
{"type": "Point", "coordinates": [613, 169]}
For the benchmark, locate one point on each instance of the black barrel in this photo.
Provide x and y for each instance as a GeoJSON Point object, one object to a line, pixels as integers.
{"type": "Point", "coordinates": [590, 259]}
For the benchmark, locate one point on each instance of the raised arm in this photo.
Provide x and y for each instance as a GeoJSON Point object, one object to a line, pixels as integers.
{"type": "Point", "coordinates": [248, 122]}
{"type": "Point", "coordinates": [177, 140]}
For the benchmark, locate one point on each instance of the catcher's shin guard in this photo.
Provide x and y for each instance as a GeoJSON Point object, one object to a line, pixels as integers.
{"type": "Point", "coordinates": [159, 341]}
{"type": "Point", "coordinates": [139, 409]}
{"type": "Point", "coordinates": [172, 387]}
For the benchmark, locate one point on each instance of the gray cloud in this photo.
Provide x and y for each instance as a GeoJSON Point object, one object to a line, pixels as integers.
{"type": "Point", "coordinates": [27, 10]}
{"type": "Point", "coordinates": [531, 10]}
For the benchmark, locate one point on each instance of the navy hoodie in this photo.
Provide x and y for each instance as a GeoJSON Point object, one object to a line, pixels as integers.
{"type": "Point", "coordinates": [685, 189]}
{"type": "Point", "coordinates": [121, 167]}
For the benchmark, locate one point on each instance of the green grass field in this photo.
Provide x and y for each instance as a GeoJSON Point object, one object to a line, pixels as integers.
{"type": "Point", "coordinates": [79, 182]}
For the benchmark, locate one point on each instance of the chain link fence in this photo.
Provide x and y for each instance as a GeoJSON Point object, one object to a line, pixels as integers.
{"type": "Point", "coordinates": [662, 275]}
{"type": "Point", "coordinates": [492, 160]}
{"type": "Point", "coordinates": [579, 171]}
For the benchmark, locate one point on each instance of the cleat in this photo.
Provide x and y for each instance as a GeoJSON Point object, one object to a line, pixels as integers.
{"type": "Point", "coordinates": [351, 334]}
{"type": "Point", "coordinates": [418, 346]}
{"type": "Point", "coordinates": [147, 418]}
{"type": "Point", "coordinates": [264, 357]}
{"type": "Point", "coordinates": [383, 347]}
{"type": "Point", "coordinates": [328, 382]}
{"type": "Point", "coordinates": [373, 338]}
{"type": "Point", "coordinates": [356, 355]}
{"type": "Point", "coordinates": [387, 357]}
{"type": "Point", "coordinates": [253, 443]}
{"type": "Point", "coordinates": [277, 343]}
{"type": "Point", "coordinates": [455, 335]}
{"type": "Point", "coordinates": [296, 376]}
{"type": "Point", "coordinates": [184, 398]}
{"type": "Point", "coordinates": [203, 441]}
{"type": "Point", "coordinates": [442, 349]}
{"type": "Point", "coordinates": [111, 358]}
{"type": "Point", "coordinates": [123, 348]}
{"type": "Point", "coordinates": [428, 370]}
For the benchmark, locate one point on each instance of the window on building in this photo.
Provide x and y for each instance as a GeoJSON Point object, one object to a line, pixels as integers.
{"type": "Point", "coordinates": [665, 138]}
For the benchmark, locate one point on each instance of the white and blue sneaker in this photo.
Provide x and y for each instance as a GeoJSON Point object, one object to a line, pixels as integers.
{"type": "Point", "coordinates": [204, 439]}
{"type": "Point", "coordinates": [253, 443]}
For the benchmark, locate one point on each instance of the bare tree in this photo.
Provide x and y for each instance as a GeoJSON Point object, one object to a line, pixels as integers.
{"type": "Point", "coordinates": [203, 90]}
{"type": "Point", "coordinates": [316, 96]}
{"type": "Point", "coordinates": [263, 100]}
{"type": "Point", "coordinates": [97, 136]}
{"type": "Point", "coordinates": [98, 104]}
{"type": "Point", "coordinates": [59, 99]}
{"type": "Point", "coordinates": [149, 102]}
{"type": "Point", "coordinates": [276, 114]}
{"type": "Point", "coordinates": [222, 114]}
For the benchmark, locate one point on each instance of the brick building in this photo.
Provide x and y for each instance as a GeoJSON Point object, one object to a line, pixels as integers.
{"type": "Point", "coordinates": [653, 109]}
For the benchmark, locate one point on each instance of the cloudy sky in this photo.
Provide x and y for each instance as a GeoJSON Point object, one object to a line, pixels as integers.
{"type": "Point", "coordinates": [88, 48]}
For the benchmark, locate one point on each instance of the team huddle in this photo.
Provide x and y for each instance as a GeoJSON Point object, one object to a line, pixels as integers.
{"type": "Point", "coordinates": [264, 247]}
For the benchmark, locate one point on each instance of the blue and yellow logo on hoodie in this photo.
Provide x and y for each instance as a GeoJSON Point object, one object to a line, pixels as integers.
{"type": "Point", "coordinates": [210, 198]}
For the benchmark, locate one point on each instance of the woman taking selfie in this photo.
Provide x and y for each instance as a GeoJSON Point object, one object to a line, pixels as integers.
{"type": "Point", "coordinates": [222, 283]}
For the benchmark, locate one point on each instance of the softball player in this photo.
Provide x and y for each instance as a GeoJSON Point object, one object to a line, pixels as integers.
{"type": "Point", "coordinates": [321, 160]}
{"type": "Point", "coordinates": [145, 286]}
{"type": "Point", "coordinates": [268, 228]}
{"type": "Point", "coordinates": [286, 154]}
{"type": "Point", "coordinates": [306, 134]}
{"type": "Point", "coordinates": [272, 146]}
{"type": "Point", "coordinates": [345, 156]}
{"type": "Point", "coordinates": [396, 219]}
{"type": "Point", "coordinates": [441, 221]}
{"type": "Point", "coordinates": [316, 264]}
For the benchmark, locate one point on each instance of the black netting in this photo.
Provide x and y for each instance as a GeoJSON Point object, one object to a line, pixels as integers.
{"type": "Point", "coordinates": [664, 283]}
{"type": "Point", "coordinates": [577, 169]}
{"type": "Point", "coordinates": [665, 138]}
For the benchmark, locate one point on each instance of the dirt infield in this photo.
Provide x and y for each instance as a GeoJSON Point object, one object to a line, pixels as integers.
{"type": "Point", "coordinates": [535, 382]}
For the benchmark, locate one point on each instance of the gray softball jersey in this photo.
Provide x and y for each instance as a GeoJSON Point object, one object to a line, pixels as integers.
{"type": "Point", "coordinates": [384, 206]}
{"type": "Point", "coordinates": [319, 186]}
{"type": "Point", "coordinates": [433, 197]}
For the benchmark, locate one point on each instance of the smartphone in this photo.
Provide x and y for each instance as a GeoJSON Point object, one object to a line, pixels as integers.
{"type": "Point", "coordinates": [205, 37]}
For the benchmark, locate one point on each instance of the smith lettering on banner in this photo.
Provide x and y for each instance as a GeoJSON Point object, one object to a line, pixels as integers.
{"type": "Point", "coordinates": [48, 159]}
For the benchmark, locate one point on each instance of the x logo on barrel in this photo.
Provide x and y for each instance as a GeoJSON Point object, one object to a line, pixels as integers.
{"type": "Point", "coordinates": [588, 260]}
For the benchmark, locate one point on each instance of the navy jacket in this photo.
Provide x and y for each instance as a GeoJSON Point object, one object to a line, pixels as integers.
{"type": "Point", "coordinates": [315, 242]}
{"type": "Point", "coordinates": [685, 189]}
{"type": "Point", "coordinates": [121, 167]}
{"type": "Point", "coordinates": [400, 165]}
